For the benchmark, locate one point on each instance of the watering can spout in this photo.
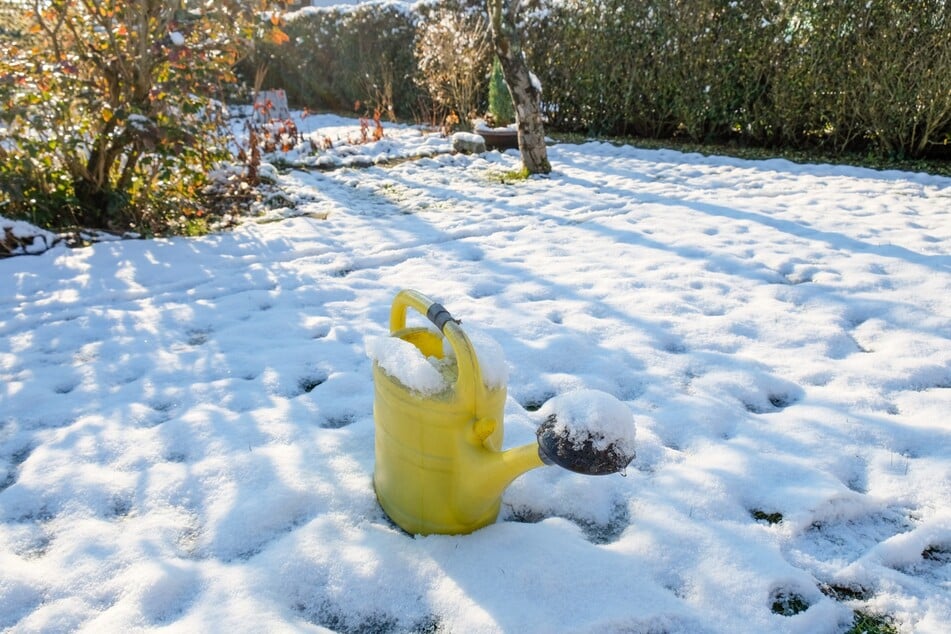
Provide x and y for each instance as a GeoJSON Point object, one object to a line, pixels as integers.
{"type": "Point", "coordinates": [495, 470]}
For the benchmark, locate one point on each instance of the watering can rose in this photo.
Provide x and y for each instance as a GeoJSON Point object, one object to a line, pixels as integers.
{"type": "Point", "coordinates": [587, 431]}
{"type": "Point", "coordinates": [592, 415]}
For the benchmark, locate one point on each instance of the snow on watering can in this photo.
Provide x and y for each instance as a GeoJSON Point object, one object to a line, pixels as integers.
{"type": "Point", "coordinates": [440, 467]}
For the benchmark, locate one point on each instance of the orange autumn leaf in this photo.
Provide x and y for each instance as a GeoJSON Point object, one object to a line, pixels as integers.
{"type": "Point", "coordinates": [277, 36]}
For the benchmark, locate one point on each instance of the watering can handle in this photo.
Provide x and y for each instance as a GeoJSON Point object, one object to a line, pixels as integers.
{"type": "Point", "coordinates": [470, 376]}
{"type": "Point", "coordinates": [433, 311]}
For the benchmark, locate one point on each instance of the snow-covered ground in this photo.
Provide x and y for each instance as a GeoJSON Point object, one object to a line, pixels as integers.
{"type": "Point", "coordinates": [186, 426]}
{"type": "Point", "coordinates": [333, 141]}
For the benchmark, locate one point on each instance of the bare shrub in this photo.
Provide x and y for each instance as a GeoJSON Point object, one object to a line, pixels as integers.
{"type": "Point", "coordinates": [453, 51]}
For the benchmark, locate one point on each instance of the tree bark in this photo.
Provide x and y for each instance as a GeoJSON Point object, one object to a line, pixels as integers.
{"type": "Point", "coordinates": [526, 94]}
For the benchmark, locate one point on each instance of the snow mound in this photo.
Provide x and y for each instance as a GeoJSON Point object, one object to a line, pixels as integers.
{"type": "Point", "coordinates": [466, 137]}
{"type": "Point", "coordinates": [18, 237]}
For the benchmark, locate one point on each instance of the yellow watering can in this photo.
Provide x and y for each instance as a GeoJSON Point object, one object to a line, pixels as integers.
{"type": "Point", "coordinates": [439, 464]}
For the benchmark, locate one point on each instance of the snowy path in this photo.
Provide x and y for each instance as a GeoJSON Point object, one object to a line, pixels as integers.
{"type": "Point", "coordinates": [186, 429]}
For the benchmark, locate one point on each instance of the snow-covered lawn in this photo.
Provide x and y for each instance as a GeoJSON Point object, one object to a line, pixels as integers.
{"type": "Point", "coordinates": [186, 426]}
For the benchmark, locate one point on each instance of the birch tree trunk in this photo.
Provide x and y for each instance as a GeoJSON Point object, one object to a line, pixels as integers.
{"type": "Point", "coordinates": [526, 94]}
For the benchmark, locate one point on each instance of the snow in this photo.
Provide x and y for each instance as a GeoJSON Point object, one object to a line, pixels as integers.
{"type": "Point", "coordinates": [21, 238]}
{"type": "Point", "coordinates": [332, 142]}
{"type": "Point", "coordinates": [593, 415]}
{"type": "Point", "coordinates": [536, 82]}
{"type": "Point", "coordinates": [316, 6]}
{"type": "Point", "coordinates": [466, 137]}
{"type": "Point", "coordinates": [490, 355]}
{"type": "Point", "coordinates": [186, 425]}
{"type": "Point", "coordinates": [403, 361]}
{"type": "Point", "coordinates": [139, 122]}
{"type": "Point", "coordinates": [481, 126]}
{"type": "Point", "coordinates": [430, 375]}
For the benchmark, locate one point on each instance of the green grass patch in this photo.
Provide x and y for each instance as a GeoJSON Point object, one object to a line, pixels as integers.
{"type": "Point", "coordinates": [864, 623]}
{"type": "Point", "coordinates": [789, 604]}
{"type": "Point", "coordinates": [509, 177]}
{"type": "Point", "coordinates": [769, 518]}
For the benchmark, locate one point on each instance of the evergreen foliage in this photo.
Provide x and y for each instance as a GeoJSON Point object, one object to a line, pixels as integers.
{"type": "Point", "coordinates": [500, 100]}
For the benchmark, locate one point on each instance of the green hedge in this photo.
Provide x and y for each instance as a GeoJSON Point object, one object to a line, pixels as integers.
{"type": "Point", "coordinates": [832, 73]}
{"type": "Point", "coordinates": [338, 56]}
{"type": "Point", "coordinates": [836, 74]}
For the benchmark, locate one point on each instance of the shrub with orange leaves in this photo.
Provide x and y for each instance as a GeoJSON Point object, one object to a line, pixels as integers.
{"type": "Point", "coordinates": [111, 111]}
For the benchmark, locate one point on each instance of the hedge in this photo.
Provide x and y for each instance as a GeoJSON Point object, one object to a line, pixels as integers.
{"type": "Point", "coordinates": [338, 56]}
{"type": "Point", "coordinates": [836, 74]}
